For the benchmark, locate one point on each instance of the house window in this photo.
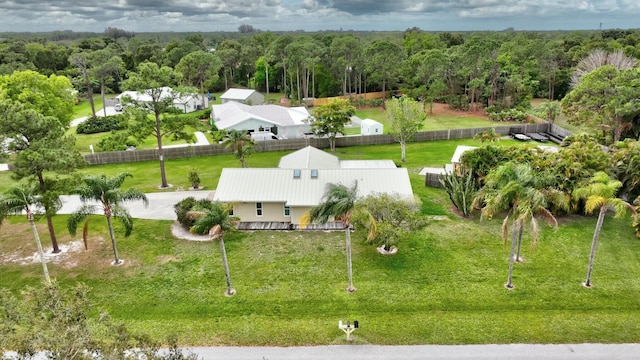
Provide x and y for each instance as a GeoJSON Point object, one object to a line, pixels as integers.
{"type": "Point", "coordinates": [287, 211]}
{"type": "Point", "coordinates": [296, 173]}
{"type": "Point", "coordinates": [231, 213]}
{"type": "Point", "coordinates": [314, 173]}
{"type": "Point", "coordinates": [259, 209]}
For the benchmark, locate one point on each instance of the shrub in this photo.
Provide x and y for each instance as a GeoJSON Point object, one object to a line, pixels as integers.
{"type": "Point", "coordinates": [497, 113]}
{"type": "Point", "coordinates": [182, 208]}
{"type": "Point", "coordinates": [98, 124]}
{"type": "Point", "coordinates": [375, 102]}
{"type": "Point", "coordinates": [194, 178]}
{"type": "Point", "coordinates": [461, 190]}
{"type": "Point", "coordinates": [117, 141]}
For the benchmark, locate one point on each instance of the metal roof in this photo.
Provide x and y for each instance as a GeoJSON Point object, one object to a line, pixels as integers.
{"type": "Point", "coordinates": [232, 113]}
{"type": "Point", "coordinates": [307, 158]}
{"type": "Point", "coordinates": [237, 94]}
{"type": "Point", "coordinates": [279, 185]}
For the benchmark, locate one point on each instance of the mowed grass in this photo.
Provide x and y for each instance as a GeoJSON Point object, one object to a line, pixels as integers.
{"type": "Point", "coordinates": [433, 122]}
{"type": "Point", "coordinates": [445, 286]}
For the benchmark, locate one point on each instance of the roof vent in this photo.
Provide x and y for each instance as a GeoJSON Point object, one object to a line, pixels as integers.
{"type": "Point", "coordinates": [296, 173]}
{"type": "Point", "coordinates": [314, 173]}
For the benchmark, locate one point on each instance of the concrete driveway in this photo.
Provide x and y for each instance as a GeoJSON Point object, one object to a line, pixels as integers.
{"type": "Point", "coordinates": [160, 204]}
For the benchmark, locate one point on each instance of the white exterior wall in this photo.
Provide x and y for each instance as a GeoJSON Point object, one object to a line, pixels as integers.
{"type": "Point", "coordinates": [371, 128]}
{"type": "Point", "coordinates": [255, 99]}
{"type": "Point", "coordinates": [294, 132]}
{"type": "Point", "coordinates": [253, 124]}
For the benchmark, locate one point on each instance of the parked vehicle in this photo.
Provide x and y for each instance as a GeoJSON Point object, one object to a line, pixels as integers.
{"type": "Point", "coordinates": [264, 135]}
{"type": "Point", "coordinates": [117, 107]}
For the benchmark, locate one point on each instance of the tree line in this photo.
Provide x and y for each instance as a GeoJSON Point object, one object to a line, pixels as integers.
{"type": "Point", "coordinates": [463, 69]}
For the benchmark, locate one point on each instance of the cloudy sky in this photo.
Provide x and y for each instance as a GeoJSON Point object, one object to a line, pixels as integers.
{"type": "Point", "coordinates": [312, 15]}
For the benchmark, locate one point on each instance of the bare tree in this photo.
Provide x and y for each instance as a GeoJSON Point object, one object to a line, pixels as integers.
{"type": "Point", "coordinates": [598, 58]}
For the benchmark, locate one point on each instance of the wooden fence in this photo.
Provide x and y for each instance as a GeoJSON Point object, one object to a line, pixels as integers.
{"type": "Point", "coordinates": [116, 157]}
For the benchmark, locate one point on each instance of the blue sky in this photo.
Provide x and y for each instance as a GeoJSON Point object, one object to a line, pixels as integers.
{"type": "Point", "coordinates": [313, 15]}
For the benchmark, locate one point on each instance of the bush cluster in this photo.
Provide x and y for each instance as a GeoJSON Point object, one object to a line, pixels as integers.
{"type": "Point", "coordinates": [499, 114]}
{"type": "Point", "coordinates": [98, 124]}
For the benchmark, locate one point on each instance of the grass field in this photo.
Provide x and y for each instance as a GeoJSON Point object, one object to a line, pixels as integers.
{"type": "Point", "coordinates": [445, 286]}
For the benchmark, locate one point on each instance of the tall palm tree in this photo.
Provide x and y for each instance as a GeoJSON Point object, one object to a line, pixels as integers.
{"type": "Point", "coordinates": [600, 194]}
{"type": "Point", "coordinates": [240, 143]}
{"type": "Point", "coordinates": [519, 190]}
{"type": "Point", "coordinates": [338, 203]}
{"type": "Point", "coordinates": [213, 217]}
{"type": "Point", "coordinates": [106, 191]}
{"type": "Point", "coordinates": [21, 199]}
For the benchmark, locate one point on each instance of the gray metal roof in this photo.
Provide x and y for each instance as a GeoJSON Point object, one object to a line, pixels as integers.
{"type": "Point", "coordinates": [279, 185]}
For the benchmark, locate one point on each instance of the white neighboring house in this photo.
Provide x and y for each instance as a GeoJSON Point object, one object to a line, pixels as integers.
{"type": "Point", "coordinates": [244, 96]}
{"type": "Point", "coordinates": [370, 127]}
{"type": "Point", "coordinates": [279, 197]}
{"type": "Point", "coordinates": [187, 103]}
{"type": "Point", "coordinates": [285, 122]}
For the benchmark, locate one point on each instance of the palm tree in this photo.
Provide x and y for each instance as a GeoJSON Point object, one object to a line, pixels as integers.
{"type": "Point", "coordinates": [518, 189]}
{"type": "Point", "coordinates": [240, 143]}
{"type": "Point", "coordinates": [107, 192]}
{"type": "Point", "coordinates": [213, 217]}
{"type": "Point", "coordinates": [600, 194]}
{"type": "Point", "coordinates": [338, 203]}
{"type": "Point", "coordinates": [21, 199]}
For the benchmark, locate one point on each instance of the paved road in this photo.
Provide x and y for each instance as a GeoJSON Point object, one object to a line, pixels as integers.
{"type": "Point", "coordinates": [436, 352]}
{"type": "Point", "coordinates": [160, 204]}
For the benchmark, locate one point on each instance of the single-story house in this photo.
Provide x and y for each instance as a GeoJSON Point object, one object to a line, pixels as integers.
{"type": "Point", "coordinates": [370, 127]}
{"type": "Point", "coordinates": [244, 96]}
{"type": "Point", "coordinates": [184, 102]}
{"type": "Point", "coordinates": [286, 122]}
{"type": "Point", "coordinates": [282, 195]}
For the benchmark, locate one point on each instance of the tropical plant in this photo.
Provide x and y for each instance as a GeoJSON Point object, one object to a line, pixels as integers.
{"type": "Point", "coordinates": [461, 190]}
{"type": "Point", "coordinates": [213, 218]}
{"type": "Point", "coordinates": [25, 199]}
{"type": "Point", "coordinates": [489, 136]}
{"type": "Point", "coordinates": [241, 143]}
{"type": "Point", "coordinates": [106, 191]}
{"type": "Point", "coordinates": [600, 194]}
{"type": "Point", "coordinates": [387, 218]}
{"type": "Point", "coordinates": [337, 204]}
{"type": "Point", "coordinates": [550, 110]}
{"type": "Point", "coordinates": [524, 194]}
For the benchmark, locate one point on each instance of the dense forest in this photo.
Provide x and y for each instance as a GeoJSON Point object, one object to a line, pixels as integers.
{"type": "Point", "coordinates": [494, 70]}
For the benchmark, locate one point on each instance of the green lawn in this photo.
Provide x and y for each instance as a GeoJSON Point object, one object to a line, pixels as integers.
{"type": "Point", "coordinates": [445, 286]}
{"type": "Point", "coordinates": [432, 122]}
{"type": "Point", "coordinates": [83, 107]}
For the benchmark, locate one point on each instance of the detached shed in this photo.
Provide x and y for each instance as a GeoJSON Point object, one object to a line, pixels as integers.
{"type": "Point", "coordinates": [370, 127]}
{"type": "Point", "coordinates": [244, 96]}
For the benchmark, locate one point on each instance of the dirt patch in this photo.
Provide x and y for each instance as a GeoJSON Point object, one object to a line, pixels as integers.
{"type": "Point", "coordinates": [440, 109]}
{"type": "Point", "coordinates": [183, 233]}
